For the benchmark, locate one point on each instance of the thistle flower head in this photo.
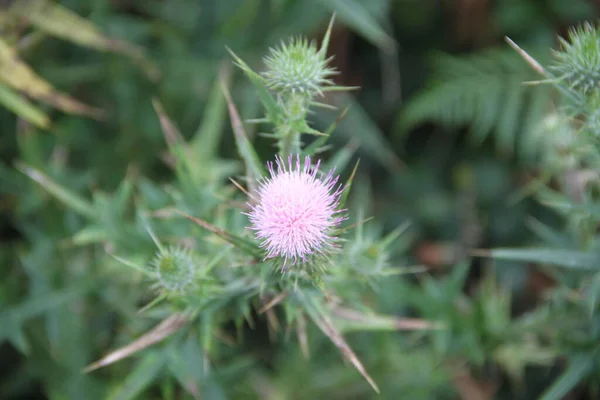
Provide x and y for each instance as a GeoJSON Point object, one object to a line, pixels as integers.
{"type": "Point", "coordinates": [296, 210]}
{"type": "Point", "coordinates": [578, 61]}
{"type": "Point", "coordinates": [298, 67]}
{"type": "Point", "coordinates": [174, 268]}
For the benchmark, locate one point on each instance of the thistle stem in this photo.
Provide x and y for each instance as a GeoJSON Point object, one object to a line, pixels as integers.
{"type": "Point", "coordinates": [296, 107]}
{"type": "Point", "coordinates": [289, 143]}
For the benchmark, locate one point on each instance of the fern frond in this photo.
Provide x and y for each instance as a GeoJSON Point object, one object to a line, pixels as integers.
{"type": "Point", "coordinates": [485, 92]}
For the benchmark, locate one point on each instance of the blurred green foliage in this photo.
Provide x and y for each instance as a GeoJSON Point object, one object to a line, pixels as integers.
{"type": "Point", "coordinates": [449, 141]}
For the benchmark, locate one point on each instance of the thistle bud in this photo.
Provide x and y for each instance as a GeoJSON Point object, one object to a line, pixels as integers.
{"type": "Point", "coordinates": [174, 268]}
{"type": "Point", "coordinates": [298, 68]}
{"type": "Point", "coordinates": [578, 60]}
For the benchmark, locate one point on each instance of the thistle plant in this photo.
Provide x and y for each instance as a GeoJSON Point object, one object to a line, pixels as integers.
{"type": "Point", "coordinates": [573, 257]}
{"type": "Point", "coordinates": [220, 254]}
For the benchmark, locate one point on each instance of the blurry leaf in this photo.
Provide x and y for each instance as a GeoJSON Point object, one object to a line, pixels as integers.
{"type": "Point", "coordinates": [158, 333]}
{"type": "Point", "coordinates": [186, 362]}
{"type": "Point", "coordinates": [561, 203]}
{"type": "Point", "coordinates": [187, 365]}
{"type": "Point", "coordinates": [357, 125]}
{"type": "Point", "coordinates": [17, 74]}
{"type": "Point", "coordinates": [133, 265]}
{"type": "Point", "coordinates": [141, 377]}
{"type": "Point", "coordinates": [265, 97]}
{"type": "Point", "coordinates": [122, 197]}
{"type": "Point", "coordinates": [470, 388]}
{"type": "Point", "coordinates": [593, 294]}
{"type": "Point", "coordinates": [177, 145]}
{"type": "Point", "coordinates": [59, 21]}
{"type": "Point", "coordinates": [17, 339]}
{"type": "Point", "coordinates": [318, 144]}
{"type": "Point", "coordinates": [90, 235]}
{"type": "Point", "coordinates": [205, 141]}
{"type": "Point", "coordinates": [326, 326]}
{"type": "Point", "coordinates": [351, 320]}
{"type": "Point", "coordinates": [254, 167]}
{"type": "Point", "coordinates": [550, 236]}
{"type": "Point", "coordinates": [30, 145]}
{"type": "Point", "coordinates": [341, 158]}
{"type": "Point", "coordinates": [240, 19]}
{"type": "Point", "coordinates": [484, 91]}
{"type": "Point", "coordinates": [354, 13]}
{"type": "Point", "coordinates": [23, 108]}
{"type": "Point", "coordinates": [579, 368]}
{"type": "Point", "coordinates": [515, 357]}
{"type": "Point", "coordinates": [576, 260]}
{"type": "Point", "coordinates": [348, 186]}
{"type": "Point", "coordinates": [71, 199]}
{"type": "Point", "coordinates": [13, 317]}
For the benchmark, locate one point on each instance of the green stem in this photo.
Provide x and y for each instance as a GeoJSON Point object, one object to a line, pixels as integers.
{"type": "Point", "coordinates": [289, 143]}
{"type": "Point", "coordinates": [296, 107]}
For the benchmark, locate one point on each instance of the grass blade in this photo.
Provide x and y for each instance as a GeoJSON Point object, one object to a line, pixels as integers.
{"type": "Point", "coordinates": [572, 259]}
{"type": "Point", "coordinates": [23, 108]}
{"type": "Point", "coordinates": [15, 73]}
{"type": "Point", "coordinates": [69, 198]}
{"type": "Point", "coordinates": [578, 369]}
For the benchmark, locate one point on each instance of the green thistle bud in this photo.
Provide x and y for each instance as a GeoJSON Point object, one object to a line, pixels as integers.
{"type": "Point", "coordinates": [174, 268]}
{"type": "Point", "coordinates": [578, 61]}
{"type": "Point", "coordinates": [298, 68]}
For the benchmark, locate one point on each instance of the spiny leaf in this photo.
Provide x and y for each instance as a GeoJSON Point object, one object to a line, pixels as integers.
{"type": "Point", "coordinates": [325, 42]}
{"type": "Point", "coordinates": [160, 332]}
{"type": "Point", "coordinates": [268, 101]}
{"type": "Point", "coordinates": [140, 377]}
{"type": "Point", "coordinates": [328, 328]}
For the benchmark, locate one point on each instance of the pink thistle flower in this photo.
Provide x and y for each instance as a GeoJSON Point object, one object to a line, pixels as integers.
{"type": "Point", "coordinates": [296, 210]}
